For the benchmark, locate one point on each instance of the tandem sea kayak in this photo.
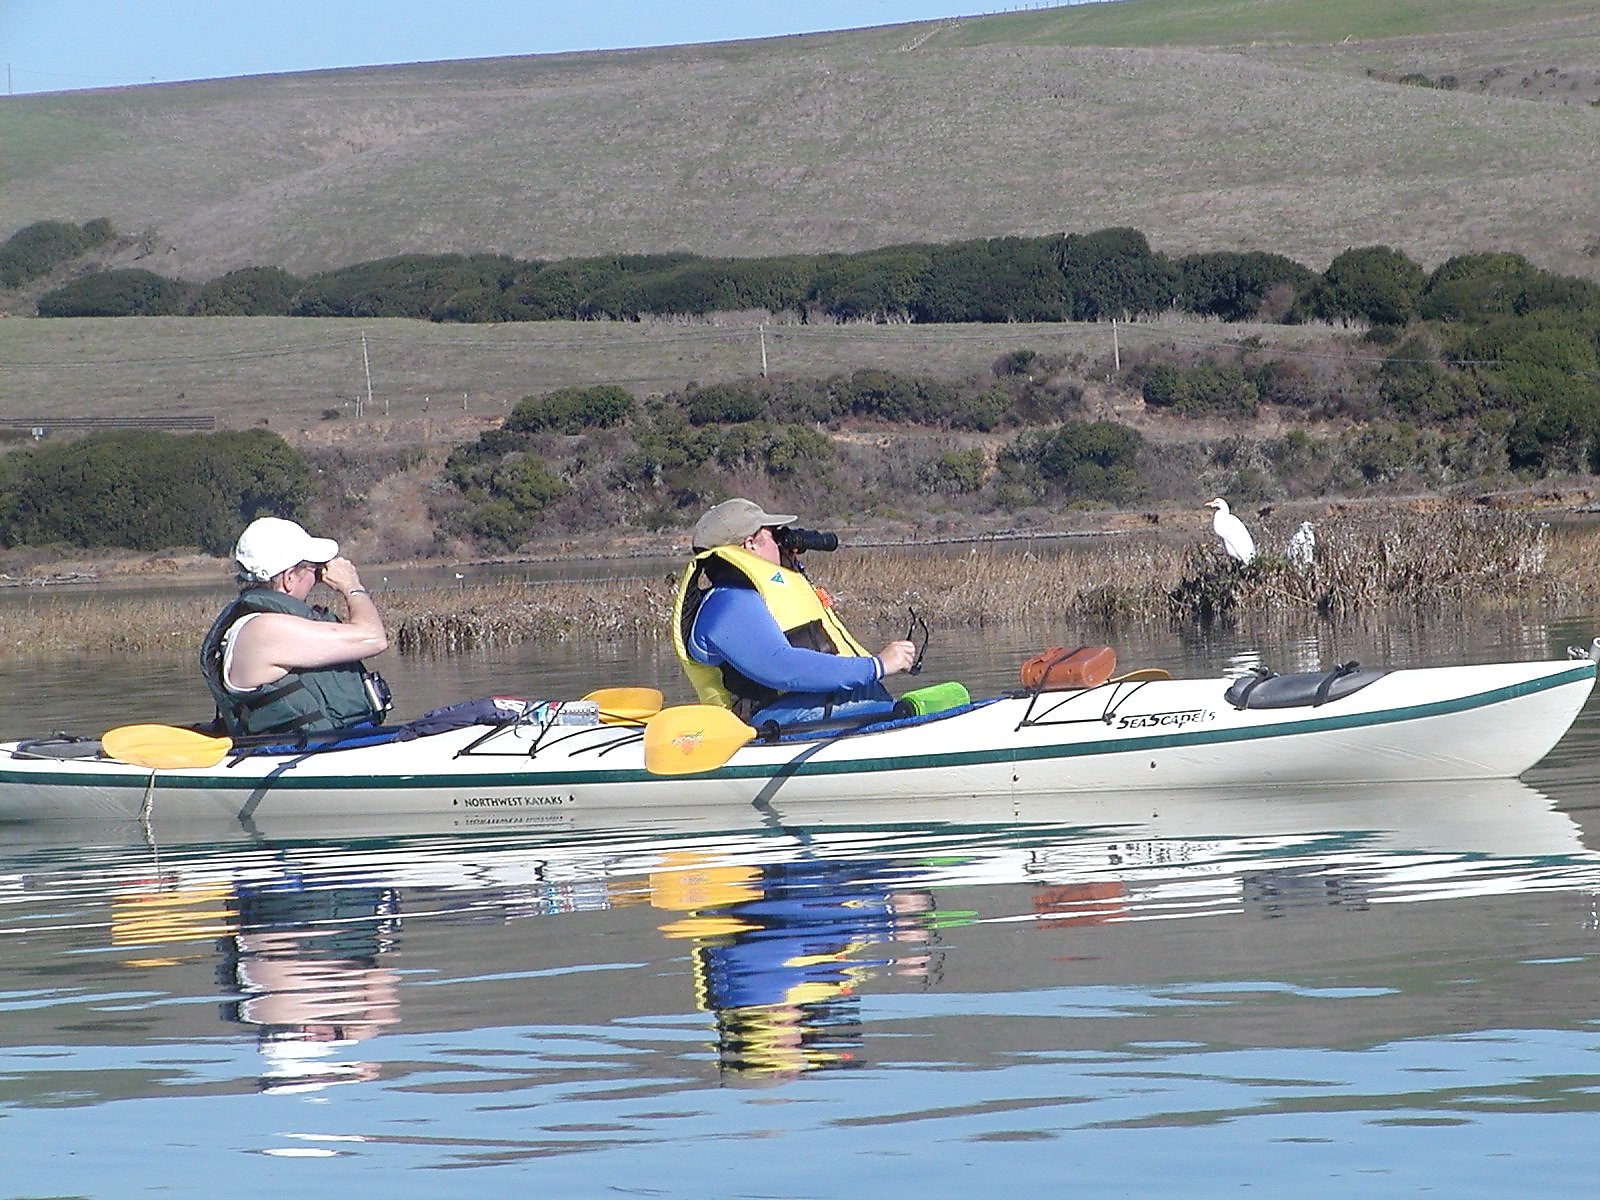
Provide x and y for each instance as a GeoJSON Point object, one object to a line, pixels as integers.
{"type": "Point", "coordinates": [529, 764]}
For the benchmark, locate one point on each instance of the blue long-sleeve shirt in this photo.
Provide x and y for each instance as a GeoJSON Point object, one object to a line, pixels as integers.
{"type": "Point", "coordinates": [734, 626]}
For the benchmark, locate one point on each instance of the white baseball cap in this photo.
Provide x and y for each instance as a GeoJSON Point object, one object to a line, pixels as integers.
{"type": "Point", "coordinates": [270, 545]}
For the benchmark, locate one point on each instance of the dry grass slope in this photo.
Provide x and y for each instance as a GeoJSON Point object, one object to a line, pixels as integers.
{"type": "Point", "coordinates": [1208, 125]}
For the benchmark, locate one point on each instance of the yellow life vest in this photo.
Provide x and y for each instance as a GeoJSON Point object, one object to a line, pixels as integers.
{"type": "Point", "coordinates": [792, 600]}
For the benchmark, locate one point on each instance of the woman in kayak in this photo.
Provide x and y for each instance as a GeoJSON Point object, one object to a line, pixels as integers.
{"type": "Point", "coordinates": [274, 663]}
{"type": "Point", "coordinates": [754, 635]}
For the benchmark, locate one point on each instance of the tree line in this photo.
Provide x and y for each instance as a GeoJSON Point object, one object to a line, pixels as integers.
{"type": "Point", "coordinates": [1103, 275]}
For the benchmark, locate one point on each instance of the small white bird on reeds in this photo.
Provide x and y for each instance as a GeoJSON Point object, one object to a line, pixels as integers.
{"type": "Point", "coordinates": [1302, 547]}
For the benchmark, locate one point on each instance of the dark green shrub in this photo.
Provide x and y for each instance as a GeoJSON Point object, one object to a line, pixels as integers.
{"type": "Point", "coordinates": [420, 286]}
{"type": "Point", "coordinates": [1236, 287]}
{"type": "Point", "coordinates": [122, 293]}
{"type": "Point", "coordinates": [505, 495]}
{"type": "Point", "coordinates": [1426, 391]}
{"type": "Point", "coordinates": [1559, 341]}
{"type": "Point", "coordinates": [526, 483]}
{"type": "Point", "coordinates": [706, 285]}
{"type": "Point", "coordinates": [1114, 273]}
{"type": "Point", "coordinates": [248, 292]}
{"type": "Point", "coordinates": [1372, 283]}
{"type": "Point", "coordinates": [1472, 287]}
{"type": "Point", "coordinates": [1560, 432]}
{"type": "Point", "coordinates": [496, 523]}
{"type": "Point", "coordinates": [1206, 389]}
{"type": "Point", "coordinates": [876, 285]}
{"type": "Point", "coordinates": [571, 410]}
{"type": "Point", "coordinates": [983, 412]}
{"type": "Point", "coordinates": [997, 279]}
{"type": "Point", "coordinates": [1162, 385]}
{"type": "Point", "coordinates": [37, 249]}
{"type": "Point", "coordinates": [1415, 385]}
{"type": "Point", "coordinates": [148, 490]}
{"type": "Point", "coordinates": [954, 472]}
{"type": "Point", "coordinates": [723, 404]}
{"type": "Point", "coordinates": [816, 401]}
{"type": "Point", "coordinates": [1382, 453]}
{"type": "Point", "coordinates": [880, 395]}
{"type": "Point", "coordinates": [617, 286]}
{"type": "Point", "coordinates": [796, 450]}
{"type": "Point", "coordinates": [1081, 461]}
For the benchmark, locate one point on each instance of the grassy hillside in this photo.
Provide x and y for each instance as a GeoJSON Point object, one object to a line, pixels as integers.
{"type": "Point", "coordinates": [1209, 124]}
{"type": "Point", "coordinates": [437, 383]}
{"type": "Point", "coordinates": [1224, 22]}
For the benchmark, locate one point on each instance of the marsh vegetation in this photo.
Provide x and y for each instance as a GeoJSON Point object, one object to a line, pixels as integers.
{"type": "Point", "coordinates": [1441, 557]}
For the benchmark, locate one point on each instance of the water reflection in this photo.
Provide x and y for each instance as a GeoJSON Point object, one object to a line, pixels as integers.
{"type": "Point", "coordinates": [1387, 984]}
{"type": "Point", "coordinates": [782, 950]}
{"type": "Point", "coordinates": [304, 965]}
{"type": "Point", "coordinates": [775, 930]}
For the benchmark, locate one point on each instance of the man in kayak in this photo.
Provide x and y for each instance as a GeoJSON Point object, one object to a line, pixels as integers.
{"type": "Point", "coordinates": [755, 636]}
{"type": "Point", "coordinates": [274, 663]}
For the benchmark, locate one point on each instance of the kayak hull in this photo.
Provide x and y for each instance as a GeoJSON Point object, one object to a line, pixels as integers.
{"type": "Point", "coordinates": [1490, 721]}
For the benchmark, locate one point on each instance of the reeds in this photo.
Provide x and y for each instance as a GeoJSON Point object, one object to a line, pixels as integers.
{"type": "Point", "coordinates": [1449, 555]}
{"type": "Point", "coordinates": [452, 621]}
{"type": "Point", "coordinates": [1437, 557]}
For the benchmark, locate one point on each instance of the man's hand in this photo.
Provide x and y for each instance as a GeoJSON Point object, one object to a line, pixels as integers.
{"type": "Point", "coordinates": [897, 657]}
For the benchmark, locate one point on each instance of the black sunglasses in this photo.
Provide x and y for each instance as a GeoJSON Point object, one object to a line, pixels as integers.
{"type": "Point", "coordinates": [917, 623]}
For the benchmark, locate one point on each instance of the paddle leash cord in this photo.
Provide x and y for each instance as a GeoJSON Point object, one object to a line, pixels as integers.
{"type": "Point", "coordinates": [149, 800]}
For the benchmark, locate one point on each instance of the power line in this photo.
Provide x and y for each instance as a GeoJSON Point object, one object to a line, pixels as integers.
{"type": "Point", "coordinates": [650, 336]}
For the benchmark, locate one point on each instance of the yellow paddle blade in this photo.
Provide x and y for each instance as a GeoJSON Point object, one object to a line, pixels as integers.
{"type": "Point", "coordinates": [692, 737]}
{"type": "Point", "coordinates": [163, 746]}
{"type": "Point", "coordinates": [626, 705]}
{"type": "Point", "coordinates": [1142, 675]}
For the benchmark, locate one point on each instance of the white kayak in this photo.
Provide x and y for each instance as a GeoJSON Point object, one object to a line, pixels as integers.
{"type": "Point", "coordinates": [1136, 733]}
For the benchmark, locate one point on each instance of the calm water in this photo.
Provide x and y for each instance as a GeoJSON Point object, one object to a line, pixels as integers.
{"type": "Point", "coordinates": [1370, 992]}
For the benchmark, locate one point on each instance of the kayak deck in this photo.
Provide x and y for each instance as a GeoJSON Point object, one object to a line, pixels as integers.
{"type": "Point", "coordinates": [1474, 722]}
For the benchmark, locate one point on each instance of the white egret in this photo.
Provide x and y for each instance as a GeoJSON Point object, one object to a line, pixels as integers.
{"type": "Point", "coordinates": [1236, 539]}
{"type": "Point", "coordinates": [1302, 547]}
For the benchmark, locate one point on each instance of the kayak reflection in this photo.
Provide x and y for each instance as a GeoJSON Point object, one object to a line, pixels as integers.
{"type": "Point", "coordinates": [780, 930]}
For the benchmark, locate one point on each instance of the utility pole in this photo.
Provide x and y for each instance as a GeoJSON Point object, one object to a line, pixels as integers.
{"type": "Point", "coordinates": [763, 328]}
{"type": "Point", "coordinates": [366, 365]}
{"type": "Point", "coordinates": [1116, 350]}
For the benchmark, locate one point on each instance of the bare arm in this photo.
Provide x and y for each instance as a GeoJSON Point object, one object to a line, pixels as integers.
{"type": "Point", "coordinates": [272, 644]}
